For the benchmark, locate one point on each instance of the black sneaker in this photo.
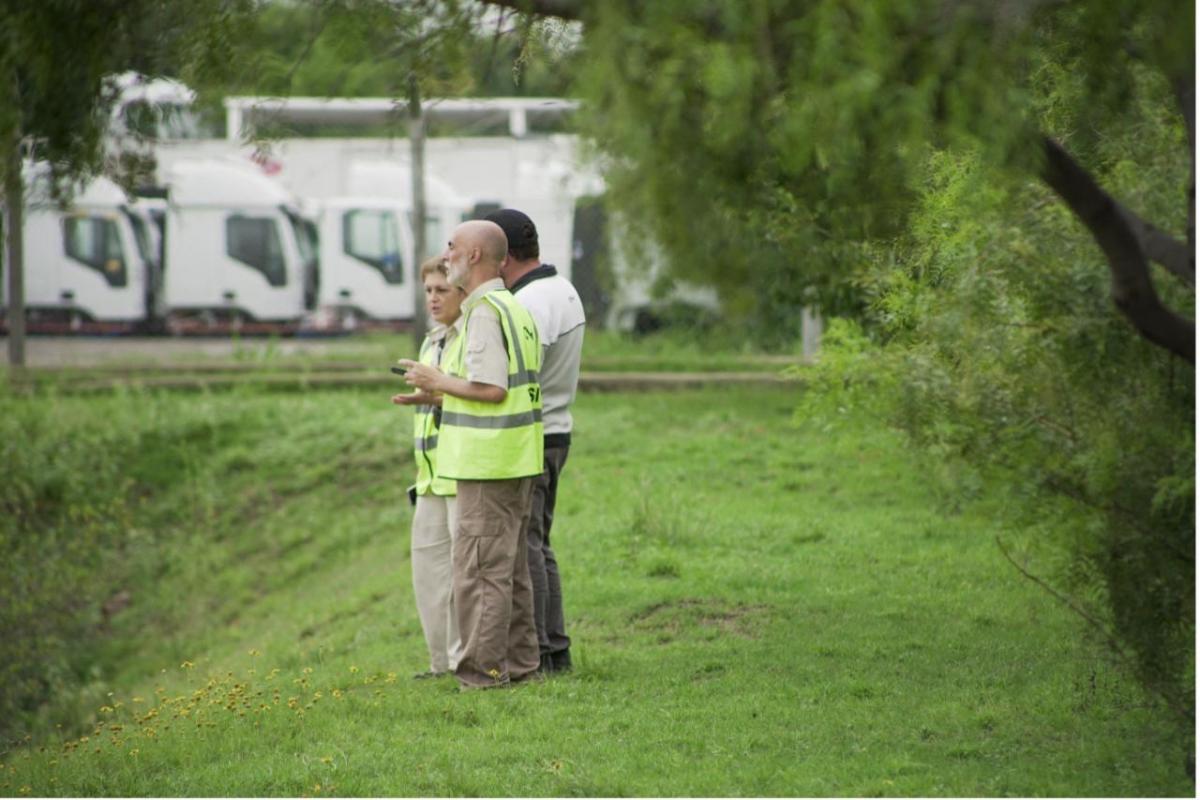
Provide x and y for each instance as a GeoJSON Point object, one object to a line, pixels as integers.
{"type": "Point", "coordinates": [562, 660]}
{"type": "Point", "coordinates": [556, 662]}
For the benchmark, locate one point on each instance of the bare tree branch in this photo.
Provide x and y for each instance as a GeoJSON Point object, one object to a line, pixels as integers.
{"type": "Point", "coordinates": [1113, 644]}
{"type": "Point", "coordinates": [1163, 248]}
{"type": "Point", "coordinates": [563, 9]}
{"type": "Point", "coordinates": [1131, 287]}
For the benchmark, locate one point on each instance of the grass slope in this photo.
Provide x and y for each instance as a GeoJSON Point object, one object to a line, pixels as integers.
{"type": "Point", "coordinates": [758, 608]}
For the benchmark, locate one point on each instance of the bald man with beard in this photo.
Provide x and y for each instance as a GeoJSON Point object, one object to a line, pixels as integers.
{"type": "Point", "coordinates": [491, 442]}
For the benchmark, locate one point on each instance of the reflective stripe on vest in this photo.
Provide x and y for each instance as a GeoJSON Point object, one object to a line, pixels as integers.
{"type": "Point", "coordinates": [425, 440]}
{"type": "Point", "coordinates": [493, 441]}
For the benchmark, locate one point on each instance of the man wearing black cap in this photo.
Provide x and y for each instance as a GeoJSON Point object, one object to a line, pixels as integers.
{"type": "Point", "coordinates": [558, 313]}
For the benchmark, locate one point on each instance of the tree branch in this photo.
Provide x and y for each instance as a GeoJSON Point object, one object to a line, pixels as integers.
{"type": "Point", "coordinates": [1131, 287]}
{"type": "Point", "coordinates": [1162, 248]}
{"type": "Point", "coordinates": [563, 9]}
{"type": "Point", "coordinates": [1114, 645]}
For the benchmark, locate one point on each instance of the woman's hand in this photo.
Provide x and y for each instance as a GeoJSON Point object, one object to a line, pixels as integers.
{"type": "Point", "coordinates": [417, 398]}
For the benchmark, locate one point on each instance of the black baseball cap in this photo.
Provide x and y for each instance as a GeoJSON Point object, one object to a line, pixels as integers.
{"type": "Point", "coordinates": [520, 230]}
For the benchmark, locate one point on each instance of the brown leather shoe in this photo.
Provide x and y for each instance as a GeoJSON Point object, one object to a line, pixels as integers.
{"type": "Point", "coordinates": [534, 676]}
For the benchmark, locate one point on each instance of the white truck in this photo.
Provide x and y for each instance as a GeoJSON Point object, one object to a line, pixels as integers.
{"type": "Point", "coordinates": [92, 267]}
{"type": "Point", "coordinates": [365, 246]}
{"type": "Point", "coordinates": [237, 249]}
{"type": "Point", "coordinates": [366, 242]}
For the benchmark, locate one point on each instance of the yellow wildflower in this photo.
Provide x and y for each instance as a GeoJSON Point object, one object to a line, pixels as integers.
{"type": "Point", "coordinates": [186, 665]}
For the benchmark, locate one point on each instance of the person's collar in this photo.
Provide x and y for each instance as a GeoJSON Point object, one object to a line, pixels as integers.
{"type": "Point", "coordinates": [490, 285]}
{"type": "Point", "coordinates": [535, 274]}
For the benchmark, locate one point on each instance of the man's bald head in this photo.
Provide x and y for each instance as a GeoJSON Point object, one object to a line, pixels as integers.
{"type": "Point", "coordinates": [488, 237]}
{"type": "Point", "coordinates": [477, 249]}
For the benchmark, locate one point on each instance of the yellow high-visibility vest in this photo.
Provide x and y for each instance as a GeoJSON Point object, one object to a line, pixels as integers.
{"type": "Point", "coordinates": [493, 441]}
{"type": "Point", "coordinates": [425, 438]}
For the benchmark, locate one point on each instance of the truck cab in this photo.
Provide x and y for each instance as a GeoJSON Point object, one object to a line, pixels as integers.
{"type": "Point", "coordinates": [365, 255]}
{"type": "Point", "coordinates": [86, 263]}
{"type": "Point", "coordinates": [237, 247]}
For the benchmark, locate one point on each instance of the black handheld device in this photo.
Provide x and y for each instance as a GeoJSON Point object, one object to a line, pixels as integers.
{"type": "Point", "coordinates": [399, 370]}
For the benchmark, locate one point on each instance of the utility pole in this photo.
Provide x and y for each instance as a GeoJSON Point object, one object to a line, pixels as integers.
{"type": "Point", "coordinates": [14, 235]}
{"type": "Point", "coordinates": [416, 140]}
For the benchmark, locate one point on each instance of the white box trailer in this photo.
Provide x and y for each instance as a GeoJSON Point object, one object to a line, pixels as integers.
{"type": "Point", "coordinates": [89, 263]}
{"type": "Point", "coordinates": [236, 246]}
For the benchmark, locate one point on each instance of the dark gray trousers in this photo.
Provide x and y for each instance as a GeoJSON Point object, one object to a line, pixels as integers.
{"type": "Point", "coordinates": [543, 567]}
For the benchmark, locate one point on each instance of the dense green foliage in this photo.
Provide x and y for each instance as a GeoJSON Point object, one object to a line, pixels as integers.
{"type": "Point", "coordinates": [1002, 355]}
{"type": "Point", "coordinates": [875, 159]}
{"type": "Point", "coordinates": [761, 144]}
{"type": "Point", "coordinates": [361, 48]}
{"type": "Point", "coordinates": [56, 55]}
{"type": "Point", "coordinates": [374, 48]}
{"type": "Point", "coordinates": [760, 606]}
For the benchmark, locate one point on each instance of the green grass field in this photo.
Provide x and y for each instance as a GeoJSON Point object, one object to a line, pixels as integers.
{"type": "Point", "coordinates": [758, 607]}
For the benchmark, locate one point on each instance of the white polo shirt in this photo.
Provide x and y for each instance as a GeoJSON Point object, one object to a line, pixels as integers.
{"type": "Point", "coordinates": [558, 312]}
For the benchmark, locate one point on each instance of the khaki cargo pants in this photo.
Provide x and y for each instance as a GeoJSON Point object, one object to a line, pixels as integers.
{"type": "Point", "coordinates": [493, 596]}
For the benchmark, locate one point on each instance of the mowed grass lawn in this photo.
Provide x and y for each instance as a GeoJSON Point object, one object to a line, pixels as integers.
{"type": "Point", "coordinates": [758, 607]}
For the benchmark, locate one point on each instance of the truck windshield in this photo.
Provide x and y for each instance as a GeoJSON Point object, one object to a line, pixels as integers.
{"type": "Point", "coordinates": [95, 241]}
{"type": "Point", "coordinates": [372, 236]}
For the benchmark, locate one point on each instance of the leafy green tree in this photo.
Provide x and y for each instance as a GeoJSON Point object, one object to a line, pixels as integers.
{"type": "Point", "coordinates": [56, 60]}
{"type": "Point", "coordinates": [935, 170]}
{"type": "Point", "coordinates": [1003, 359]}
{"type": "Point", "coordinates": [761, 140]}
{"type": "Point", "coordinates": [356, 48]}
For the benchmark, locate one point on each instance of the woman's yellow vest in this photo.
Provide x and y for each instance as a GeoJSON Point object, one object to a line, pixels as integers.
{"type": "Point", "coordinates": [425, 437]}
{"type": "Point", "coordinates": [494, 441]}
